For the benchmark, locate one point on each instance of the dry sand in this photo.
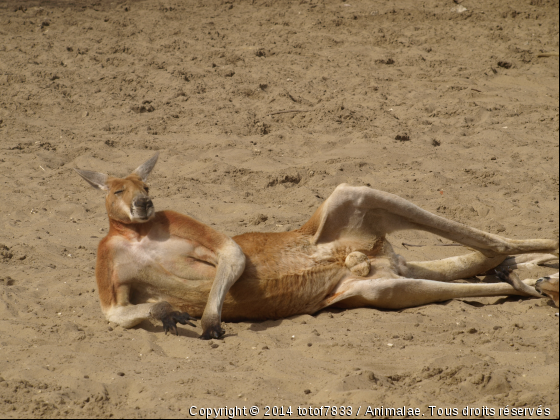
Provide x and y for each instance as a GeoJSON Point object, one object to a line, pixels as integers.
{"type": "Point", "coordinates": [101, 85]}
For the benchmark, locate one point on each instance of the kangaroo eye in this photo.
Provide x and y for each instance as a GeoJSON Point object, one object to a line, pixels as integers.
{"type": "Point", "coordinates": [118, 192]}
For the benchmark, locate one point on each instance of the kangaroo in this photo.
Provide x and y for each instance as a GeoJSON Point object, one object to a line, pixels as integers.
{"type": "Point", "coordinates": [163, 265]}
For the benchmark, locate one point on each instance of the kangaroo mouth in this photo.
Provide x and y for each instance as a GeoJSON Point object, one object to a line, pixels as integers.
{"type": "Point", "coordinates": [142, 213]}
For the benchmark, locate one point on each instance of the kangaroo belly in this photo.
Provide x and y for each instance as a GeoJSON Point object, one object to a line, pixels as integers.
{"type": "Point", "coordinates": [284, 275]}
{"type": "Point", "coordinates": [281, 296]}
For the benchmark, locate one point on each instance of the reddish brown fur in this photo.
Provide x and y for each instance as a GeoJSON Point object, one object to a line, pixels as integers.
{"type": "Point", "coordinates": [103, 270]}
{"type": "Point", "coordinates": [186, 227]}
{"type": "Point", "coordinates": [312, 225]}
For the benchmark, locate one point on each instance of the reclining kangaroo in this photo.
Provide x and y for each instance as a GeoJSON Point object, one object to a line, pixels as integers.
{"type": "Point", "coordinates": [167, 266]}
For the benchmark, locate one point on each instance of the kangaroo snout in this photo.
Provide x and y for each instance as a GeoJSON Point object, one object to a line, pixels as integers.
{"type": "Point", "coordinates": [142, 208]}
{"type": "Point", "coordinates": [143, 202]}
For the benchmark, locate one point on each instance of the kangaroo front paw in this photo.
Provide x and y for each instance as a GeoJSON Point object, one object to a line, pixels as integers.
{"type": "Point", "coordinates": [170, 321]}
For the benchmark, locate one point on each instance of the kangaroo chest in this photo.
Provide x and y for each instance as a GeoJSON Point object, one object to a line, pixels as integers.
{"type": "Point", "coordinates": [178, 257]}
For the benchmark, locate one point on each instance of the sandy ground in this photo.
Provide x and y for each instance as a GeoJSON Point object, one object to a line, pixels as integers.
{"type": "Point", "coordinates": [102, 85]}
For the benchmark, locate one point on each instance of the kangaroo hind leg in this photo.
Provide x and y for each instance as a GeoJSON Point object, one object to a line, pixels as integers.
{"type": "Point", "coordinates": [367, 214]}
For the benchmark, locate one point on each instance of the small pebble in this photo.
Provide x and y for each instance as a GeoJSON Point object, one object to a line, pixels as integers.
{"type": "Point", "coordinates": [120, 373]}
{"type": "Point", "coordinates": [307, 391]}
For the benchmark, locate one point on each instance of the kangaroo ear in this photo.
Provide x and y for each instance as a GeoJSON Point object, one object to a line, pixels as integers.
{"type": "Point", "coordinates": [95, 179]}
{"type": "Point", "coordinates": [144, 170]}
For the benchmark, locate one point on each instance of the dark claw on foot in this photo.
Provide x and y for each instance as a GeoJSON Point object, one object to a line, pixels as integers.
{"type": "Point", "coordinates": [503, 275]}
{"type": "Point", "coordinates": [538, 284]}
{"type": "Point", "coordinates": [170, 321]}
{"type": "Point", "coordinates": [212, 332]}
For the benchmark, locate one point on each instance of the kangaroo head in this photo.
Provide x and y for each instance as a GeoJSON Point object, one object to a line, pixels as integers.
{"type": "Point", "coordinates": [127, 199]}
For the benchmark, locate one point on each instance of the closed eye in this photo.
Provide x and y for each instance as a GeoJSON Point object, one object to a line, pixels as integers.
{"type": "Point", "coordinates": [118, 192]}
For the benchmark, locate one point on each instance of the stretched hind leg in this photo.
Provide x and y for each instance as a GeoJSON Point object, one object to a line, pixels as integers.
{"type": "Point", "coordinates": [403, 293]}
{"type": "Point", "coordinates": [364, 215]}
{"type": "Point", "coordinates": [469, 265]}
{"type": "Point", "coordinates": [453, 268]}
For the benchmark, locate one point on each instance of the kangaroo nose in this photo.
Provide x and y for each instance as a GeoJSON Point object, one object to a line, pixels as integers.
{"type": "Point", "coordinates": [144, 202]}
